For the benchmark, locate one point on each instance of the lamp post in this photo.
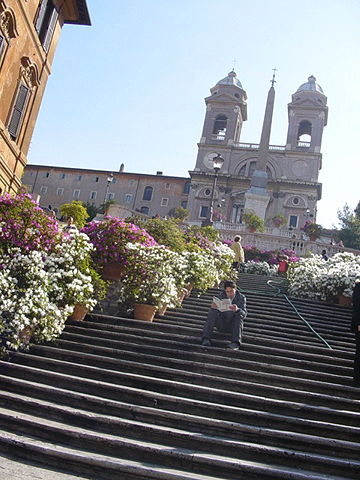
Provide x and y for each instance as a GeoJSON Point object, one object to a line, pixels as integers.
{"type": "Point", "coordinates": [218, 162]}
{"type": "Point", "coordinates": [109, 180]}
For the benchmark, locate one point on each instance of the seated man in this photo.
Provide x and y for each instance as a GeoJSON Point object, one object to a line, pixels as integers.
{"type": "Point", "coordinates": [230, 320]}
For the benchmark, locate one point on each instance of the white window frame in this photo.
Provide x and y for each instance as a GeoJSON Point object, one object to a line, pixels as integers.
{"type": "Point", "coordinates": [76, 193]}
{"type": "Point", "coordinates": [93, 195]}
{"type": "Point", "coordinates": [43, 190]}
{"type": "Point", "coordinates": [59, 192]}
{"type": "Point", "coordinates": [128, 197]}
{"type": "Point", "coordinates": [164, 202]}
{"type": "Point", "coordinates": [167, 186]}
{"type": "Point", "coordinates": [207, 213]}
{"type": "Point", "coordinates": [297, 221]}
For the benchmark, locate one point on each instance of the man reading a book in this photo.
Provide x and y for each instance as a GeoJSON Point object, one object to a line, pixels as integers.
{"type": "Point", "coordinates": [227, 314]}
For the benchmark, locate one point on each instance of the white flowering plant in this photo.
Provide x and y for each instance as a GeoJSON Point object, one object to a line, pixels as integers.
{"type": "Point", "coordinates": [324, 279]}
{"type": "Point", "coordinates": [202, 272]}
{"type": "Point", "coordinates": [38, 290]}
{"type": "Point", "coordinates": [223, 258]}
{"type": "Point", "coordinates": [153, 275]}
{"type": "Point", "coordinates": [258, 268]}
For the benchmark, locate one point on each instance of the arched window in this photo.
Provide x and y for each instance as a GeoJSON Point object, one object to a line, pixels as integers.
{"type": "Point", "coordinates": [236, 213]}
{"type": "Point", "coordinates": [144, 210]}
{"type": "Point", "coordinates": [242, 171]}
{"type": "Point", "coordinates": [148, 191]}
{"type": "Point", "coordinates": [304, 133]}
{"type": "Point", "coordinates": [252, 168]}
{"type": "Point", "coordinates": [220, 126]}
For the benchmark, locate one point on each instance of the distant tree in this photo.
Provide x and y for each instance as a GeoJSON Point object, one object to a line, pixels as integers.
{"type": "Point", "coordinates": [357, 210]}
{"type": "Point", "coordinates": [76, 210]}
{"type": "Point", "coordinates": [179, 213]}
{"type": "Point", "coordinates": [349, 231]}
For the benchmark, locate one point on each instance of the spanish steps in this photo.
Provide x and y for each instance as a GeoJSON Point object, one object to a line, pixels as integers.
{"type": "Point", "coordinates": [117, 398]}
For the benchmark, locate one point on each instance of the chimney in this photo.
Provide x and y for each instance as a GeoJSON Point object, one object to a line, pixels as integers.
{"type": "Point", "coordinates": [159, 173]}
{"type": "Point", "coordinates": [122, 166]}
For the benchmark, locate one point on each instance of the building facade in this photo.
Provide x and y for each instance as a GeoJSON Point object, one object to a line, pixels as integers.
{"type": "Point", "coordinates": [148, 194]}
{"type": "Point", "coordinates": [291, 171]}
{"type": "Point", "coordinates": [29, 33]}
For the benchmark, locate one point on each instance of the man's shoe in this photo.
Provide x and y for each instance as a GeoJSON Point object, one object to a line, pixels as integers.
{"type": "Point", "coordinates": [206, 342]}
{"type": "Point", "coordinates": [234, 346]}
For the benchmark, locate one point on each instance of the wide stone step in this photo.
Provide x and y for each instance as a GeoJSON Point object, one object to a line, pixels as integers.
{"type": "Point", "coordinates": [186, 372]}
{"type": "Point", "coordinates": [148, 391]}
{"type": "Point", "coordinates": [169, 450]}
{"type": "Point", "coordinates": [147, 423]}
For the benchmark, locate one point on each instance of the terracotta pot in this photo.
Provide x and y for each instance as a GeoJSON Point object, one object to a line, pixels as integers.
{"type": "Point", "coordinates": [25, 335]}
{"type": "Point", "coordinates": [143, 311]}
{"type": "Point", "coordinates": [344, 301]}
{"type": "Point", "coordinates": [313, 238]}
{"type": "Point", "coordinates": [79, 312]}
{"type": "Point", "coordinates": [181, 295]}
{"type": "Point", "coordinates": [112, 271]}
{"type": "Point", "coordinates": [252, 229]}
{"type": "Point", "coordinates": [189, 288]}
{"type": "Point", "coordinates": [162, 310]}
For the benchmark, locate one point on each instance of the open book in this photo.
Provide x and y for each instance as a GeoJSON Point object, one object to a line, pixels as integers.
{"type": "Point", "coordinates": [222, 305]}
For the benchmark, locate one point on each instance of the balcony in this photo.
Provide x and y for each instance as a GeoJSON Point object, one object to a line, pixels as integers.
{"type": "Point", "coordinates": [255, 146]}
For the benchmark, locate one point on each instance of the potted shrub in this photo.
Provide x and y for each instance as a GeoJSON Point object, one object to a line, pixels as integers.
{"type": "Point", "coordinates": [279, 220]}
{"type": "Point", "coordinates": [253, 222]}
{"type": "Point", "coordinates": [110, 238]}
{"type": "Point", "coordinates": [313, 230]}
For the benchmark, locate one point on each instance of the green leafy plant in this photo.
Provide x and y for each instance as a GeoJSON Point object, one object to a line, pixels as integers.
{"type": "Point", "coordinates": [77, 211]}
{"type": "Point", "coordinates": [279, 220]}
{"type": "Point", "coordinates": [312, 229]}
{"type": "Point", "coordinates": [253, 222]}
{"type": "Point", "coordinates": [179, 213]}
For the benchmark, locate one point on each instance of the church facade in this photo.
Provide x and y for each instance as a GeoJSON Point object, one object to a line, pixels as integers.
{"type": "Point", "coordinates": [269, 180]}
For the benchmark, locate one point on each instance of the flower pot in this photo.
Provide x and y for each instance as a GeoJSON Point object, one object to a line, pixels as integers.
{"type": "Point", "coordinates": [181, 295]}
{"type": "Point", "coordinates": [25, 335]}
{"type": "Point", "coordinates": [344, 301]}
{"type": "Point", "coordinates": [112, 271]}
{"type": "Point", "coordinates": [252, 229]}
{"type": "Point", "coordinates": [143, 311]}
{"type": "Point", "coordinates": [162, 310]}
{"type": "Point", "coordinates": [313, 238]}
{"type": "Point", "coordinates": [79, 312]}
{"type": "Point", "coordinates": [189, 288]}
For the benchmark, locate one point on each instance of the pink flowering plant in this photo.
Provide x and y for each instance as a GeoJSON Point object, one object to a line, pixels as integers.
{"type": "Point", "coordinates": [110, 238]}
{"type": "Point", "coordinates": [23, 224]}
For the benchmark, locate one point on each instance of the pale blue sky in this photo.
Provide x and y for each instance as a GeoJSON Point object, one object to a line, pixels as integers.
{"type": "Point", "coordinates": [130, 88]}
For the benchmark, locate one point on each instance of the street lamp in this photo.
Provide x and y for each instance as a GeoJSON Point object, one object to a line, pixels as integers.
{"type": "Point", "coordinates": [218, 162]}
{"type": "Point", "coordinates": [109, 180]}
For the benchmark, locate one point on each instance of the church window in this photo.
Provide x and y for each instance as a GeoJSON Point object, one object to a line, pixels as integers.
{"type": "Point", "coordinates": [203, 211]}
{"type": "Point", "coordinates": [293, 221]}
{"type": "Point", "coordinates": [18, 111]}
{"type": "Point", "coordinates": [304, 134]}
{"type": "Point", "coordinates": [220, 126]}
{"type": "Point", "coordinates": [45, 23]}
{"type": "Point", "coordinates": [236, 213]}
{"type": "Point", "coordinates": [242, 171]}
{"type": "Point", "coordinates": [207, 192]}
{"type": "Point", "coordinates": [186, 188]}
{"type": "Point", "coordinates": [296, 200]}
{"type": "Point", "coordinates": [148, 191]}
{"type": "Point", "coordinates": [144, 210]}
{"type": "Point", "coordinates": [236, 95]}
{"type": "Point", "coordinates": [252, 168]}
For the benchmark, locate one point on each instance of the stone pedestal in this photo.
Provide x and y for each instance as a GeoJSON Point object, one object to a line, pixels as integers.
{"type": "Point", "coordinates": [257, 203]}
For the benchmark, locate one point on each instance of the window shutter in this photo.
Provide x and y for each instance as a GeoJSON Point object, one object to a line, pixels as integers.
{"type": "Point", "coordinates": [40, 16]}
{"type": "Point", "coordinates": [18, 111]}
{"type": "Point", "coordinates": [50, 30]}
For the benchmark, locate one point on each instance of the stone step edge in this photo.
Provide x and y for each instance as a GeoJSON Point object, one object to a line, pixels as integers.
{"type": "Point", "coordinates": [78, 458]}
{"type": "Point", "coordinates": [55, 429]}
{"type": "Point", "coordinates": [24, 404]}
{"type": "Point", "coordinates": [81, 358]}
{"type": "Point", "coordinates": [184, 388]}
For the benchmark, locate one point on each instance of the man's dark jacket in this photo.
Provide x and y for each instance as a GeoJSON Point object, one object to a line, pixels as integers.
{"type": "Point", "coordinates": [240, 301]}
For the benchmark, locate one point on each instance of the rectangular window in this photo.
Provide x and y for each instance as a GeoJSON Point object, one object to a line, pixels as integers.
{"type": "Point", "coordinates": [76, 193]}
{"type": "Point", "coordinates": [128, 198]}
{"type": "Point", "coordinates": [45, 22]}
{"type": "Point", "coordinates": [167, 186]}
{"type": "Point", "coordinates": [164, 202]}
{"type": "Point", "coordinates": [131, 183]}
{"type": "Point", "coordinates": [184, 204]}
{"type": "Point", "coordinates": [203, 211]}
{"type": "Point", "coordinates": [43, 190]}
{"type": "Point", "coordinates": [79, 178]}
{"type": "Point", "coordinates": [110, 196]}
{"type": "Point", "coordinates": [59, 192]}
{"type": "Point", "coordinates": [62, 176]}
{"type": "Point", "coordinates": [93, 195]}
{"type": "Point", "coordinates": [293, 221]}
{"type": "Point", "coordinates": [46, 175]}
{"type": "Point", "coordinates": [18, 111]}
{"type": "Point", "coordinates": [96, 179]}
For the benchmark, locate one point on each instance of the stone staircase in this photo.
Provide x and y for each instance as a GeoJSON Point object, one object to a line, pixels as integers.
{"type": "Point", "coordinates": [116, 398]}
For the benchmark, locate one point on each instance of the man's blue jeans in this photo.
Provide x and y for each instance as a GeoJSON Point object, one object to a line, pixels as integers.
{"type": "Point", "coordinates": [225, 322]}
